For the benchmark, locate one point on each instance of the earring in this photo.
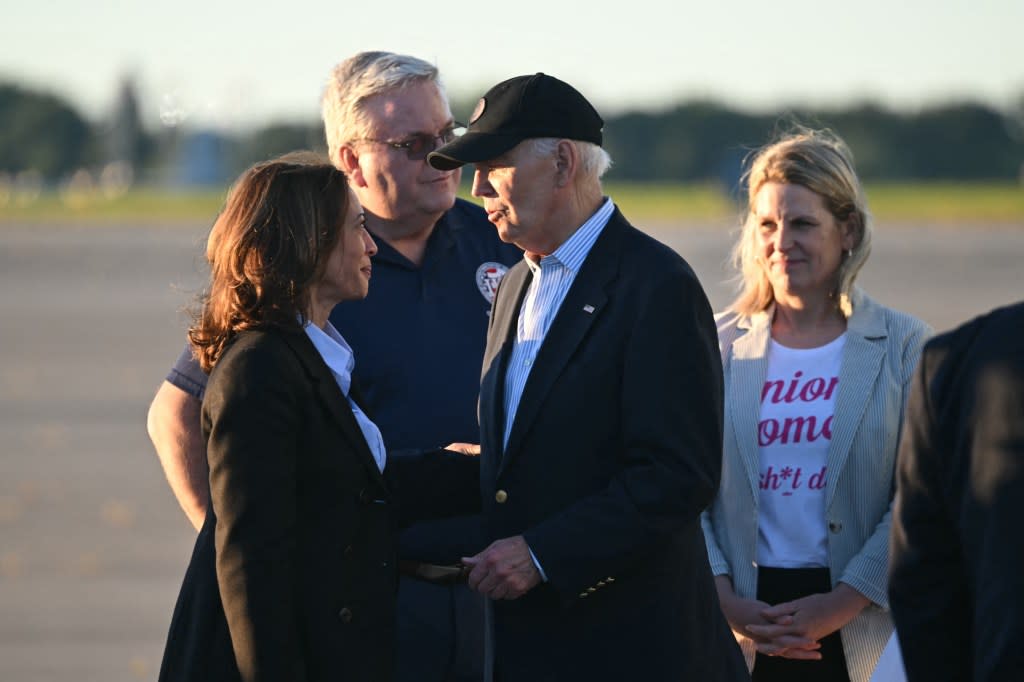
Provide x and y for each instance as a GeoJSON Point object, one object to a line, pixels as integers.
{"type": "Point", "coordinates": [849, 253]}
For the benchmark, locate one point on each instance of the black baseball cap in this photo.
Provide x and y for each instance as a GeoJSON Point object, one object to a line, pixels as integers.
{"type": "Point", "coordinates": [519, 109]}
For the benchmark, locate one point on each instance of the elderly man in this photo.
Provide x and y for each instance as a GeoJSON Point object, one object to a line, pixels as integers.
{"type": "Point", "coordinates": [956, 580]}
{"type": "Point", "coordinates": [600, 414]}
{"type": "Point", "coordinates": [417, 338]}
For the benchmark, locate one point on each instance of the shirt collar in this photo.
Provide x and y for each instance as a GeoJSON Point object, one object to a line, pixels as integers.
{"type": "Point", "coordinates": [335, 351]}
{"type": "Point", "coordinates": [574, 250]}
{"type": "Point", "coordinates": [440, 237]}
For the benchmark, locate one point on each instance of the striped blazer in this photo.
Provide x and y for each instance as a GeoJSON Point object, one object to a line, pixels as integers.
{"type": "Point", "coordinates": [881, 350]}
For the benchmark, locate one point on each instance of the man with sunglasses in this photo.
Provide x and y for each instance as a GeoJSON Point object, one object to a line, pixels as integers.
{"type": "Point", "coordinates": [418, 337]}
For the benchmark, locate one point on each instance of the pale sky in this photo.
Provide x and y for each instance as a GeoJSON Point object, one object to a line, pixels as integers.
{"type": "Point", "coordinates": [233, 64]}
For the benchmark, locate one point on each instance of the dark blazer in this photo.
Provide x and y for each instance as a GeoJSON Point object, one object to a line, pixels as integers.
{"type": "Point", "coordinates": [614, 452]}
{"type": "Point", "coordinates": [956, 585]}
{"type": "Point", "coordinates": [293, 576]}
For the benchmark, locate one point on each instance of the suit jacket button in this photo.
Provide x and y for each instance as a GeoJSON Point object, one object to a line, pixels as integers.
{"type": "Point", "coordinates": [345, 615]}
{"type": "Point", "coordinates": [583, 594]}
{"type": "Point", "coordinates": [835, 526]}
{"type": "Point", "coordinates": [348, 550]}
{"type": "Point", "coordinates": [501, 497]}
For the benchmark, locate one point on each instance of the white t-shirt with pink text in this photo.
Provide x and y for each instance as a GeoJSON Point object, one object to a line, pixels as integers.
{"type": "Point", "coordinates": [794, 433]}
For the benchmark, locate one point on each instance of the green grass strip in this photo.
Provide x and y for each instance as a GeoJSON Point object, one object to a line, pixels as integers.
{"type": "Point", "coordinates": [919, 203]}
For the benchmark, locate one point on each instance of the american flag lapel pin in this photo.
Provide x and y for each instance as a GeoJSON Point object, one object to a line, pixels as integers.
{"type": "Point", "coordinates": [588, 308]}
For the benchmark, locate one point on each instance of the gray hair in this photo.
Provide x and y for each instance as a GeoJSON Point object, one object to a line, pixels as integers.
{"type": "Point", "coordinates": [594, 160]}
{"type": "Point", "coordinates": [820, 161]}
{"type": "Point", "coordinates": [360, 77]}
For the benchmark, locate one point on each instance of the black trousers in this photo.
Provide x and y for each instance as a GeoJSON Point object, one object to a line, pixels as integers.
{"type": "Point", "coordinates": [777, 585]}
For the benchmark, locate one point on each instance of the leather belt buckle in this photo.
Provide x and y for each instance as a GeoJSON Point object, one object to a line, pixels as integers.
{"type": "Point", "coordinates": [438, 574]}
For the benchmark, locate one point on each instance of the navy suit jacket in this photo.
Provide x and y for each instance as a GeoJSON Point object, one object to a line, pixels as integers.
{"type": "Point", "coordinates": [956, 584]}
{"type": "Point", "coordinates": [614, 452]}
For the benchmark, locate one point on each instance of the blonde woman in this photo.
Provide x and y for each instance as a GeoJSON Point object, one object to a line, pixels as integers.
{"type": "Point", "coordinates": [816, 377]}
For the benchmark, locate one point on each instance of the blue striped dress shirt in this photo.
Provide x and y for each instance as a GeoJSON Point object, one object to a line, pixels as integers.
{"type": "Point", "coordinates": [552, 278]}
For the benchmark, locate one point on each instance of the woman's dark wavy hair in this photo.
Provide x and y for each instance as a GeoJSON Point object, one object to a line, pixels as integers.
{"type": "Point", "coordinates": [269, 244]}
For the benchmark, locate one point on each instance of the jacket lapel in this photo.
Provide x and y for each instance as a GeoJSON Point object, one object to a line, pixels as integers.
{"type": "Point", "coordinates": [500, 337]}
{"type": "Point", "coordinates": [327, 391]}
{"type": "Point", "coordinates": [583, 304]}
{"type": "Point", "coordinates": [862, 361]}
{"type": "Point", "coordinates": [748, 367]}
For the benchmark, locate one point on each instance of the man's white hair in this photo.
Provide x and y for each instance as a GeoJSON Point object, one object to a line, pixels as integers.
{"type": "Point", "coordinates": [360, 77]}
{"type": "Point", "coordinates": [594, 160]}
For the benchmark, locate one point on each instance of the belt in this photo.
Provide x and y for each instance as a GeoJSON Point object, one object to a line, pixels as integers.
{"type": "Point", "coordinates": [438, 574]}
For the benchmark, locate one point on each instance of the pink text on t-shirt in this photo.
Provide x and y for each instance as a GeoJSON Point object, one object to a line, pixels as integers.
{"type": "Point", "coordinates": [791, 478]}
{"type": "Point", "coordinates": [793, 430]}
{"type": "Point", "coordinates": [805, 391]}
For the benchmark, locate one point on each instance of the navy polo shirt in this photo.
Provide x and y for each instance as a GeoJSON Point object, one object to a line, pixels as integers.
{"type": "Point", "coordinates": [419, 336]}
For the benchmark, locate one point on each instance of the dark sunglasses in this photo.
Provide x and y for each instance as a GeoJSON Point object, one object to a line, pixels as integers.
{"type": "Point", "coordinates": [417, 146]}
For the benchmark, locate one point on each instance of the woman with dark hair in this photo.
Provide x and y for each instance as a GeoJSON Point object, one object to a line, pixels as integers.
{"type": "Point", "coordinates": [816, 378]}
{"type": "Point", "coordinates": [293, 576]}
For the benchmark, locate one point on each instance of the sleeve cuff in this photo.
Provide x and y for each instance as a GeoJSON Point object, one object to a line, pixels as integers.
{"type": "Point", "coordinates": [540, 569]}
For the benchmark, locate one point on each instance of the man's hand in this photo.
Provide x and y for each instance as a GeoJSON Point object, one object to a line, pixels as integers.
{"type": "Point", "coordinates": [505, 570]}
{"type": "Point", "coordinates": [468, 449]}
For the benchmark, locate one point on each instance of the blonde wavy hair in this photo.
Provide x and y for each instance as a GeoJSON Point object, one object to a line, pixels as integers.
{"type": "Point", "coordinates": [820, 161]}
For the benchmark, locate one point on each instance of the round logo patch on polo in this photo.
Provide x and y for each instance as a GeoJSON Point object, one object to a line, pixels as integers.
{"type": "Point", "coordinates": [488, 276]}
{"type": "Point", "coordinates": [479, 111]}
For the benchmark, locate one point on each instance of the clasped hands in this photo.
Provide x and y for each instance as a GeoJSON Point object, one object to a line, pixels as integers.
{"type": "Point", "coordinates": [792, 629]}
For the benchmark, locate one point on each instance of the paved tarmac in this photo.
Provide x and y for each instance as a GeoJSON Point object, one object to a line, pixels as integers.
{"type": "Point", "coordinates": [92, 544]}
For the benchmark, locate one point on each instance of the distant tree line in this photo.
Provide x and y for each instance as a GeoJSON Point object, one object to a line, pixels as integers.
{"type": "Point", "coordinates": [698, 141]}
{"type": "Point", "coordinates": [41, 132]}
{"type": "Point", "coordinates": [44, 135]}
{"type": "Point", "coordinates": [709, 141]}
